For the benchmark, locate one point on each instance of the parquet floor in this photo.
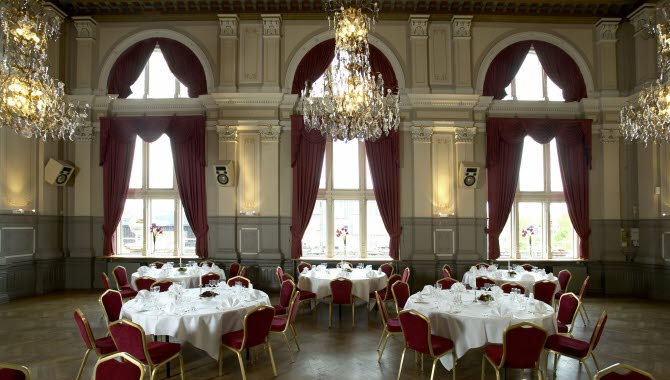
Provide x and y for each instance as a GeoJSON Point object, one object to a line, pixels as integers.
{"type": "Point", "coordinates": [40, 333]}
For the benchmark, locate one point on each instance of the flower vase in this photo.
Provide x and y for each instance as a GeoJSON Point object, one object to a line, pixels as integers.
{"type": "Point", "coordinates": [153, 251]}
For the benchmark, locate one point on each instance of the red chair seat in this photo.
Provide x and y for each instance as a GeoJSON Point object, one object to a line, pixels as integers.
{"type": "Point", "coordinates": [128, 293]}
{"type": "Point", "coordinates": [278, 324]}
{"type": "Point", "coordinates": [393, 325]}
{"type": "Point", "coordinates": [11, 374]}
{"type": "Point", "coordinates": [494, 352]}
{"type": "Point", "coordinates": [566, 345]}
{"type": "Point", "coordinates": [306, 294]}
{"type": "Point", "coordinates": [280, 310]}
{"type": "Point", "coordinates": [440, 344]}
{"type": "Point", "coordinates": [233, 339]}
{"type": "Point", "coordinates": [161, 351]}
{"type": "Point", "coordinates": [562, 327]}
{"type": "Point", "coordinates": [104, 346]}
{"type": "Point", "coordinates": [558, 295]}
{"type": "Point", "coordinates": [382, 294]}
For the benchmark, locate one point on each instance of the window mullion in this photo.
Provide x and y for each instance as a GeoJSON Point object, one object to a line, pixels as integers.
{"type": "Point", "coordinates": [545, 93]}
{"type": "Point", "coordinates": [146, 79]}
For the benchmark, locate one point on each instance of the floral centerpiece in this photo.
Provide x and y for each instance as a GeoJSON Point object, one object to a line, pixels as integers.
{"type": "Point", "coordinates": [529, 232]}
{"type": "Point", "coordinates": [343, 233]}
{"type": "Point", "coordinates": [485, 298]}
{"type": "Point", "coordinates": [155, 230]}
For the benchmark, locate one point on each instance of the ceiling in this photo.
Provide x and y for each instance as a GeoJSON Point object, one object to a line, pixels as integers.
{"type": "Point", "coordinates": [573, 9]}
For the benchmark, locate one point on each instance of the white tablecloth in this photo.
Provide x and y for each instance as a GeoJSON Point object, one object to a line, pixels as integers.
{"type": "Point", "coordinates": [476, 324]}
{"type": "Point", "coordinates": [318, 281]}
{"type": "Point", "coordinates": [205, 324]}
{"type": "Point", "coordinates": [190, 278]}
{"type": "Point", "coordinates": [524, 278]}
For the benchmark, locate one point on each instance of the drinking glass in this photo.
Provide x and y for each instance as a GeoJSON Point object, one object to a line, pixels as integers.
{"type": "Point", "coordinates": [438, 286]}
{"type": "Point", "coordinates": [155, 289]}
{"type": "Point", "coordinates": [212, 283]}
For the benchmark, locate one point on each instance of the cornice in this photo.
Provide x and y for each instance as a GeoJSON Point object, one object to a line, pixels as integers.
{"type": "Point", "coordinates": [248, 99]}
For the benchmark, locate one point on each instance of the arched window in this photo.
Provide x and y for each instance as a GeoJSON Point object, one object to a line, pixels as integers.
{"type": "Point", "coordinates": [532, 82]}
{"type": "Point", "coordinates": [157, 81]}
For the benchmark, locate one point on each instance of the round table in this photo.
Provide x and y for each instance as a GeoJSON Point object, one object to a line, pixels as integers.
{"type": "Point", "coordinates": [364, 281]}
{"type": "Point", "coordinates": [203, 321]}
{"type": "Point", "coordinates": [190, 278]}
{"type": "Point", "coordinates": [475, 324]}
{"type": "Point", "coordinates": [523, 278]}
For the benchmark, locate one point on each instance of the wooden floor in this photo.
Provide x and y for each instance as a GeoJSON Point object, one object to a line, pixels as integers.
{"type": "Point", "coordinates": [40, 333]}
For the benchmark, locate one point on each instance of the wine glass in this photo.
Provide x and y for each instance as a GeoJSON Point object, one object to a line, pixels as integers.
{"type": "Point", "coordinates": [212, 283]}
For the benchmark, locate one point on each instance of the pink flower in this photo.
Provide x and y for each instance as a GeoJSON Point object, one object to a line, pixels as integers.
{"type": "Point", "coordinates": [338, 233]}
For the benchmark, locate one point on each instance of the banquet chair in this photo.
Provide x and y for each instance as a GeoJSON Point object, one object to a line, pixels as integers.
{"type": "Point", "coordinates": [144, 283]}
{"type": "Point", "coordinates": [205, 278]}
{"type": "Point", "coordinates": [105, 280]}
{"type": "Point", "coordinates": [564, 278]}
{"type": "Point", "coordinates": [256, 331]}
{"type": "Point", "coordinates": [568, 307]}
{"type": "Point", "coordinates": [401, 293]}
{"type": "Point", "coordinates": [481, 281]}
{"type": "Point", "coordinates": [521, 349]}
{"type": "Point", "coordinates": [111, 303]}
{"type": "Point", "coordinates": [285, 296]}
{"type": "Point", "coordinates": [281, 324]}
{"type": "Point", "coordinates": [582, 292]}
{"type": "Point", "coordinates": [304, 265]}
{"type": "Point", "coordinates": [339, 265]}
{"type": "Point", "coordinates": [242, 280]}
{"type": "Point", "coordinates": [101, 347]}
{"type": "Point", "coordinates": [527, 267]}
{"type": "Point", "coordinates": [391, 326]}
{"type": "Point", "coordinates": [447, 271]}
{"type": "Point", "coordinates": [405, 275]}
{"type": "Point", "coordinates": [208, 263]}
{"type": "Point", "coordinates": [118, 366]}
{"type": "Point", "coordinates": [122, 284]}
{"type": "Point", "coordinates": [388, 269]}
{"type": "Point", "coordinates": [544, 291]}
{"type": "Point", "coordinates": [341, 294]}
{"type": "Point", "coordinates": [562, 345]}
{"type": "Point", "coordinates": [242, 272]}
{"type": "Point", "coordinates": [130, 337]}
{"type": "Point", "coordinates": [481, 266]}
{"type": "Point", "coordinates": [447, 282]}
{"type": "Point", "coordinates": [13, 372]}
{"type": "Point", "coordinates": [387, 293]}
{"type": "Point", "coordinates": [281, 276]}
{"type": "Point", "coordinates": [158, 264]}
{"type": "Point", "coordinates": [234, 270]}
{"type": "Point", "coordinates": [508, 286]}
{"type": "Point", "coordinates": [418, 337]}
{"type": "Point", "coordinates": [164, 285]}
{"type": "Point", "coordinates": [621, 371]}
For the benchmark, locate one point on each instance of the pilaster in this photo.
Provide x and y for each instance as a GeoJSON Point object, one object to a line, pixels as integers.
{"type": "Point", "coordinates": [606, 40]}
{"type": "Point", "coordinates": [423, 197]}
{"type": "Point", "coordinates": [271, 51]}
{"type": "Point", "coordinates": [53, 47]}
{"type": "Point", "coordinates": [461, 27]}
{"type": "Point", "coordinates": [465, 151]}
{"type": "Point", "coordinates": [228, 151]}
{"type": "Point", "coordinates": [611, 198]}
{"type": "Point", "coordinates": [418, 27]}
{"type": "Point", "coordinates": [228, 40]}
{"type": "Point", "coordinates": [86, 38]}
{"type": "Point", "coordinates": [269, 178]}
{"type": "Point", "coordinates": [645, 43]}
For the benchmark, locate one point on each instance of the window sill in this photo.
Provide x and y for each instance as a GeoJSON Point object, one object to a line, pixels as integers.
{"type": "Point", "coordinates": [561, 260]}
{"type": "Point", "coordinates": [353, 259]}
{"type": "Point", "coordinates": [148, 258]}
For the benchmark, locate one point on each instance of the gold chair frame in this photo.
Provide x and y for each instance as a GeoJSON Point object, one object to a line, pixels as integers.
{"type": "Point", "coordinates": [236, 278]}
{"type": "Point", "coordinates": [514, 284]}
{"type": "Point", "coordinates": [91, 340]}
{"type": "Point", "coordinates": [395, 299]}
{"type": "Point", "coordinates": [158, 282]}
{"type": "Point", "coordinates": [208, 262]}
{"type": "Point", "coordinates": [386, 334]}
{"type": "Point", "coordinates": [352, 300]}
{"type": "Point", "coordinates": [293, 293]}
{"type": "Point", "coordinates": [390, 265]}
{"type": "Point", "coordinates": [482, 263]}
{"type": "Point", "coordinates": [102, 306]}
{"type": "Point", "coordinates": [618, 366]}
{"type": "Point", "coordinates": [430, 346]}
{"type": "Point", "coordinates": [147, 278]}
{"type": "Point", "coordinates": [244, 339]}
{"type": "Point", "coordinates": [23, 369]}
{"type": "Point", "coordinates": [301, 263]}
{"type": "Point", "coordinates": [485, 358]}
{"type": "Point", "coordinates": [574, 317]}
{"type": "Point", "coordinates": [242, 271]}
{"type": "Point", "coordinates": [582, 310]}
{"type": "Point", "coordinates": [156, 263]}
{"type": "Point", "coordinates": [107, 278]}
{"type": "Point", "coordinates": [569, 280]}
{"type": "Point", "coordinates": [118, 287]}
{"type": "Point", "coordinates": [289, 324]}
{"type": "Point", "coordinates": [447, 267]}
{"type": "Point", "coordinates": [207, 274]}
{"type": "Point", "coordinates": [153, 367]}
{"type": "Point", "coordinates": [126, 357]}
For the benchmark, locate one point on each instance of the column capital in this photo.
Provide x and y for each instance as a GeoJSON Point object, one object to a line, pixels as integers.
{"type": "Point", "coordinates": [422, 134]}
{"type": "Point", "coordinates": [642, 18]}
{"type": "Point", "coordinates": [228, 25]}
{"type": "Point", "coordinates": [86, 27]}
{"type": "Point", "coordinates": [227, 133]}
{"type": "Point", "coordinates": [54, 12]}
{"type": "Point", "coordinates": [271, 25]}
{"type": "Point", "coordinates": [84, 134]}
{"type": "Point", "coordinates": [461, 26]}
{"type": "Point", "coordinates": [418, 26]}
{"type": "Point", "coordinates": [270, 133]}
{"type": "Point", "coordinates": [611, 136]}
{"type": "Point", "coordinates": [465, 134]}
{"type": "Point", "coordinates": [606, 29]}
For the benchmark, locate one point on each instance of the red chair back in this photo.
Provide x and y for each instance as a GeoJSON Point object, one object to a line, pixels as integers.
{"type": "Point", "coordinates": [508, 286]}
{"type": "Point", "coordinates": [294, 307]}
{"type": "Point", "coordinates": [480, 281]}
{"type": "Point", "coordinates": [209, 263]}
{"type": "Point", "coordinates": [387, 269]}
{"type": "Point", "coordinates": [129, 338]}
{"type": "Point", "coordinates": [205, 278]}
{"type": "Point", "coordinates": [341, 289]}
{"type": "Point", "coordinates": [405, 275]}
{"type": "Point", "coordinates": [449, 272]}
{"type": "Point", "coordinates": [164, 285]}
{"type": "Point", "coordinates": [389, 285]}
{"type": "Point", "coordinates": [243, 280]}
{"type": "Point", "coordinates": [111, 302]}
{"type": "Point", "coordinates": [567, 308]}
{"type": "Point", "coordinates": [544, 291]}
{"type": "Point", "coordinates": [286, 292]}
{"type": "Point", "coordinates": [447, 283]}
{"type": "Point", "coordinates": [304, 265]}
{"type": "Point", "coordinates": [234, 270]}
{"type": "Point", "coordinates": [564, 277]}
{"type": "Point", "coordinates": [598, 331]}
{"type": "Point", "coordinates": [105, 280]}
{"type": "Point", "coordinates": [109, 367]}
{"type": "Point", "coordinates": [144, 283]}
{"type": "Point", "coordinates": [416, 330]}
{"type": "Point", "coordinates": [382, 308]}
{"type": "Point", "coordinates": [482, 266]}
{"type": "Point", "coordinates": [13, 372]}
{"type": "Point", "coordinates": [257, 325]}
{"type": "Point", "coordinates": [157, 264]}
{"type": "Point", "coordinates": [242, 272]}
{"type": "Point", "coordinates": [121, 276]}
{"type": "Point", "coordinates": [623, 372]}
{"type": "Point", "coordinates": [446, 273]}
{"type": "Point", "coordinates": [522, 345]}
{"type": "Point", "coordinates": [280, 274]}
{"type": "Point", "coordinates": [401, 293]}
{"type": "Point", "coordinates": [527, 267]}
{"type": "Point", "coordinates": [585, 286]}
{"type": "Point", "coordinates": [84, 329]}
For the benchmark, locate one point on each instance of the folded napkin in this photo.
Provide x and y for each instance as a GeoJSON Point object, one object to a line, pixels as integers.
{"type": "Point", "coordinates": [428, 289]}
{"type": "Point", "coordinates": [231, 302]}
{"type": "Point", "coordinates": [176, 288]}
{"type": "Point", "coordinates": [537, 306]}
{"type": "Point", "coordinates": [473, 269]}
{"type": "Point", "coordinates": [551, 277]}
{"type": "Point", "coordinates": [143, 270]}
{"type": "Point", "coordinates": [528, 277]}
{"type": "Point", "coordinates": [254, 295]}
{"type": "Point", "coordinates": [142, 299]}
{"type": "Point", "coordinates": [305, 270]}
{"type": "Point", "coordinates": [498, 309]}
{"type": "Point", "coordinates": [458, 288]}
{"type": "Point", "coordinates": [491, 268]}
{"type": "Point", "coordinates": [497, 292]}
{"type": "Point", "coordinates": [368, 267]}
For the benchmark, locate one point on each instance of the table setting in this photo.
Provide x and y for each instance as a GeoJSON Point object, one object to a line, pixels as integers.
{"type": "Point", "coordinates": [364, 279]}
{"type": "Point", "coordinates": [188, 274]}
{"type": "Point", "coordinates": [517, 274]}
{"type": "Point", "coordinates": [197, 315]}
{"type": "Point", "coordinates": [473, 318]}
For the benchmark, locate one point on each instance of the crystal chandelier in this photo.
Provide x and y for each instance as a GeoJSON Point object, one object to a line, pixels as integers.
{"type": "Point", "coordinates": [351, 103]}
{"type": "Point", "coordinates": [648, 120]}
{"type": "Point", "coordinates": [32, 103]}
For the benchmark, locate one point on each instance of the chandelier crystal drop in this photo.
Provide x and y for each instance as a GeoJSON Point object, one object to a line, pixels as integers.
{"type": "Point", "coordinates": [32, 103]}
{"type": "Point", "coordinates": [351, 102]}
{"type": "Point", "coordinates": [648, 119]}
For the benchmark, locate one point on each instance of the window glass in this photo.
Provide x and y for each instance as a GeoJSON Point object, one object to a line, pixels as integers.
{"type": "Point", "coordinates": [347, 213]}
{"type": "Point", "coordinates": [132, 227]}
{"type": "Point", "coordinates": [138, 164]}
{"type": "Point", "coordinates": [138, 88]}
{"type": "Point", "coordinates": [529, 79]}
{"type": "Point", "coordinates": [368, 177]}
{"type": "Point", "coordinates": [160, 164]}
{"type": "Point", "coordinates": [183, 91]}
{"type": "Point", "coordinates": [505, 239]}
{"type": "Point", "coordinates": [345, 165]}
{"type": "Point", "coordinates": [377, 237]}
{"type": "Point", "coordinates": [188, 237]}
{"type": "Point", "coordinates": [162, 215]}
{"type": "Point", "coordinates": [554, 93]}
{"type": "Point", "coordinates": [314, 242]}
{"type": "Point", "coordinates": [562, 233]}
{"type": "Point", "coordinates": [159, 73]}
{"type": "Point", "coordinates": [322, 180]}
{"type": "Point", "coordinates": [530, 229]}
{"type": "Point", "coordinates": [531, 174]}
{"type": "Point", "coordinates": [556, 180]}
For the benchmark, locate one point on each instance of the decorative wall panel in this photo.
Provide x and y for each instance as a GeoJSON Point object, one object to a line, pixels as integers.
{"type": "Point", "coordinates": [251, 54]}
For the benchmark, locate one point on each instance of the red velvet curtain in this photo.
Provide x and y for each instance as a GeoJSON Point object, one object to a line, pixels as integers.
{"type": "Point", "coordinates": [380, 64]}
{"type": "Point", "coordinates": [313, 65]}
{"type": "Point", "coordinates": [307, 154]}
{"type": "Point", "coordinates": [503, 69]}
{"type": "Point", "coordinates": [562, 70]}
{"type": "Point", "coordinates": [180, 59]}
{"type": "Point", "coordinates": [503, 160]}
{"type": "Point", "coordinates": [117, 144]}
